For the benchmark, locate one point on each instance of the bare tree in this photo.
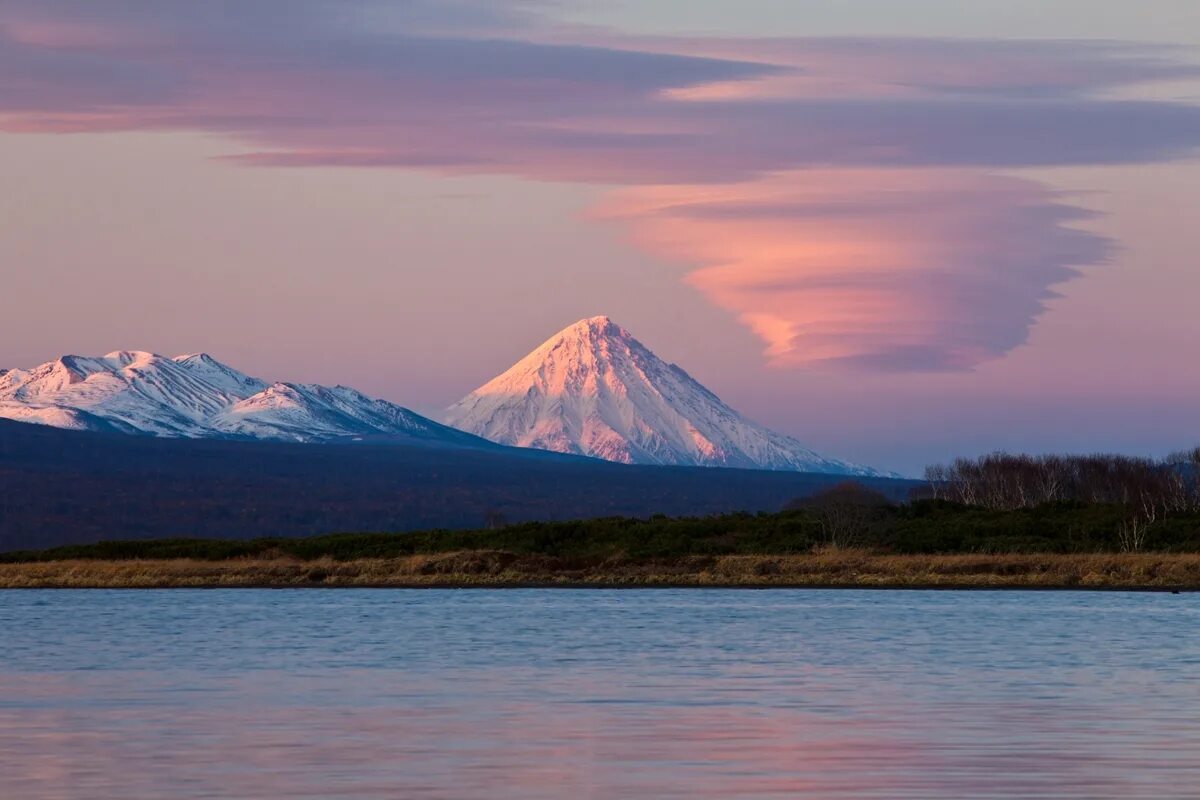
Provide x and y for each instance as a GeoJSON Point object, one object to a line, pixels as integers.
{"type": "Point", "coordinates": [845, 512]}
{"type": "Point", "coordinates": [1131, 533]}
{"type": "Point", "coordinates": [937, 476]}
{"type": "Point", "coordinates": [1185, 467]}
{"type": "Point", "coordinates": [1003, 481]}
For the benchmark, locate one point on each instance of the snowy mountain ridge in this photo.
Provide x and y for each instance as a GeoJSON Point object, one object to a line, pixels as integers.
{"type": "Point", "coordinates": [590, 390]}
{"type": "Point", "coordinates": [196, 396]}
{"type": "Point", "coordinates": [593, 389]}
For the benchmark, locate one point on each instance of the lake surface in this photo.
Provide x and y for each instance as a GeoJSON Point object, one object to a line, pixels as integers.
{"type": "Point", "coordinates": [598, 694]}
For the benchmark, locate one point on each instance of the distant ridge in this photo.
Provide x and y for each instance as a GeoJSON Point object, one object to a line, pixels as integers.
{"type": "Point", "coordinates": [196, 396]}
{"type": "Point", "coordinates": [63, 487]}
{"type": "Point", "coordinates": [593, 389]}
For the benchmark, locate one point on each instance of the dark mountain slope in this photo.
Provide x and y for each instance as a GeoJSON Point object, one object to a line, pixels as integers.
{"type": "Point", "coordinates": [59, 487]}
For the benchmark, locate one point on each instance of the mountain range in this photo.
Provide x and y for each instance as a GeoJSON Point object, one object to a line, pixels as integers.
{"type": "Point", "coordinates": [590, 390]}
{"type": "Point", "coordinates": [196, 396]}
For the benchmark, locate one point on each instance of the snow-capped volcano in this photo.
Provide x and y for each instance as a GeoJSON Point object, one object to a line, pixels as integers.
{"type": "Point", "coordinates": [592, 389]}
{"type": "Point", "coordinates": [197, 396]}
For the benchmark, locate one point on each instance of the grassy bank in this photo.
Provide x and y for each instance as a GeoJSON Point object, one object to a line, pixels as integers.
{"type": "Point", "coordinates": [496, 568]}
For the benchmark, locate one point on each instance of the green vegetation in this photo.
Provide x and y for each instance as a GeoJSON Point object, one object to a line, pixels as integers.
{"type": "Point", "coordinates": [840, 518]}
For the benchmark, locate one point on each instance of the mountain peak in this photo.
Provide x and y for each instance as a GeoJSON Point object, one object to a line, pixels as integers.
{"type": "Point", "coordinates": [127, 357]}
{"type": "Point", "coordinates": [67, 364]}
{"type": "Point", "coordinates": [598, 323]}
{"type": "Point", "coordinates": [202, 358]}
{"type": "Point", "coordinates": [600, 326]}
{"type": "Point", "coordinates": [593, 389]}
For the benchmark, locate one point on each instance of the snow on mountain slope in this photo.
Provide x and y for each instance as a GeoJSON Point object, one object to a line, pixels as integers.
{"type": "Point", "coordinates": [58, 417]}
{"type": "Point", "coordinates": [228, 380]}
{"type": "Point", "coordinates": [197, 396]}
{"type": "Point", "coordinates": [130, 389]}
{"type": "Point", "coordinates": [307, 411]}
{"type": "Point", "coordinates": [593, 389]}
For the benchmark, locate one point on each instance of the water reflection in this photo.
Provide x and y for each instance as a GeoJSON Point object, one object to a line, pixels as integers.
{"type": "Point", "coordinates": [583, 694]}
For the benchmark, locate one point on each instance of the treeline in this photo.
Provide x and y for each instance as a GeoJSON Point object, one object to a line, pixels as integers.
{"type": "Point", "coordinates": [837, 518]}
{"type": "Point", "coordinates": [1005, 481]}
{"type": "Point", "coordinates": [1147, 490]}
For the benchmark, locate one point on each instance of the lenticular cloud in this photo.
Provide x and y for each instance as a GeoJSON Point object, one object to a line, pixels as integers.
{"type": "Point", "coordinates": [886, 269]}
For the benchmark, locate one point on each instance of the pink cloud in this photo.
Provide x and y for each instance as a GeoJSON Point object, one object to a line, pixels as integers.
{"type": "Point", "coordinates": [892, 269]}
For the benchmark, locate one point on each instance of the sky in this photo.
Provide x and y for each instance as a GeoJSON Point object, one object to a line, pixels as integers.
{"type": "Point", "coordinates": [898, 231]}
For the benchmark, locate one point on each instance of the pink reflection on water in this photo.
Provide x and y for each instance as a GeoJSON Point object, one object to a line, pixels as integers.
{"type": "Point", "coordinates": [388, 734]}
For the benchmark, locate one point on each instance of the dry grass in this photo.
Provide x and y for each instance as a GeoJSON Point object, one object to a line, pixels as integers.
{"type": "Point", "coordinates": [487, 568]}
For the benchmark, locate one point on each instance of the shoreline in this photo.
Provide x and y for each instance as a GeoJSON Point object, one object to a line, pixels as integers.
{"type": "Point", "coordinates": [608, 587]}
{"type": "Point", "coordinates": [500, 570]}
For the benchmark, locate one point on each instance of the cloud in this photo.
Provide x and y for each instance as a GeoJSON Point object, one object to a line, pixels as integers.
{"type": "Point", "coordinates": [914, 67]}
{"type": "Point", "coordinates": [895, 270]}
{"type": "Point", "coordinates": [838, 195]}
{"type": "Point", "coordinates": [453, 86]}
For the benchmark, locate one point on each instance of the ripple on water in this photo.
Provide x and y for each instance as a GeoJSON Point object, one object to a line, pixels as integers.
{"type": "Point", "coordinates": [550, 694]}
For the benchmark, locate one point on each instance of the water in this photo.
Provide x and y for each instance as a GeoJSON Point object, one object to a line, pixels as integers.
{"type": "Point", "coordinates": [598, 694]}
